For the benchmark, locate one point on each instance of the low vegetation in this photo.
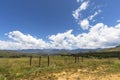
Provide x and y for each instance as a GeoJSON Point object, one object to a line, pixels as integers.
{"type": "Point", "coordinates": [95, 65]}
{"type": "Point", "coordinates": [19, 68]}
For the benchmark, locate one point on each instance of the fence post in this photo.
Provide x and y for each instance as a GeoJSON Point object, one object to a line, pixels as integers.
{"type": "Point", "coordinates": [30, 60]}
{"type": "Point", "coordinates": [48, 61]}
{"type": "Point", "coordinates": [39, 61]}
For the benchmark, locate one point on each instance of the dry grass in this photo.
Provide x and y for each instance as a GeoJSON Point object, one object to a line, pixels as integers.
{"type": "Point", "coordinates": [61, 68]}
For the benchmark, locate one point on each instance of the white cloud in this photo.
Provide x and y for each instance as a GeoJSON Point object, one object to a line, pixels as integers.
{"type": "Point", "coordinates": [98, 36]}
{"type": "Point", "coordinates": [22, 41]}
{"type": "Point", "coordinates": [60, 41]}
{"type": "Point", "coordinates": [118, 21]}
{"type": "Point", "coordinates": [82, 7]}
{"type": "Point", "coordinates": [78, 1]}
{"type": "Point", "coordinates": [95, 14]}
{"type": "Point", "coordinates": [86, 20]}
{"type": "Point", "coordinates": [104, 36]}
{"type": "Point", "coordinates": [84, 24]}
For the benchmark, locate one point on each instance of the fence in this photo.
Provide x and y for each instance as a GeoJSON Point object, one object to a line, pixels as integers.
{"type": "Point", "coordinates": [54, 59]}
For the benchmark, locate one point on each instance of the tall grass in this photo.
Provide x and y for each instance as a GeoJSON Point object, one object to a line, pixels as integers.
{"type": "Point", "coordinates": [19, 68]}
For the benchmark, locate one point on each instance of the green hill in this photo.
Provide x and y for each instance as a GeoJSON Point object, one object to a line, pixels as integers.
{"type": "Point", "coordinates": [15, 54]}
{"type": "Point", "coordinates": [115, 49]}
{"type": "Point", "coordinates": [8, 53]}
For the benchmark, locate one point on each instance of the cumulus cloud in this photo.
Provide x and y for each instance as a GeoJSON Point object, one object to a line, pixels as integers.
{"type": "Point", "coordinates": [98, 36]}
{"type": "Point", "coordinates": [84, 24]}
{"type": "Point", "coordinates": [82, 7]}
{"type": "Point", "coordinates": [60, 41]}
{"type": "Point", "coordinates": [22, 41]}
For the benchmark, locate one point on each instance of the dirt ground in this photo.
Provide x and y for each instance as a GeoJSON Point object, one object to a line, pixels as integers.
{"type": "Point", "coordinates": [86, 74]}
{"type": "Point", "coordinates": [79, 74]}
{"type": "Point", "coordinates": [102, 72]}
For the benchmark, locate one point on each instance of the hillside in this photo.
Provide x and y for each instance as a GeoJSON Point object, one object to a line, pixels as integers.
{"type": "Point", "coordinates": [115, 49]}
{"type": "Point", "coordinates": [28, 52]}
{"type": "Point", "coordinates": [54, 51]}
{"type": "Point", "coordinates": [14, 54]}
{"type": "Point", "coordinates": [8, 53]}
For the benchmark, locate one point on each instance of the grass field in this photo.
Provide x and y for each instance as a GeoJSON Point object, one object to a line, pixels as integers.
{"type": "Point", "coordinates": [20, 69]}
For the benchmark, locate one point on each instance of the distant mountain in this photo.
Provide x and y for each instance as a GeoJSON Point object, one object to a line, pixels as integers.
{"type": "Point", "coordinates": [66, 51]}
{"type": "Point", "coordinates": [40, 50]}
{"type": "Point", "coordinates": [35, 52]}
{"type": "Point", "coordinates": [54, 51]}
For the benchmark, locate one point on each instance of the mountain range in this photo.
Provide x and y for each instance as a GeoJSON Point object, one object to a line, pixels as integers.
{"type": "Point", "coordinates": [53, 51]}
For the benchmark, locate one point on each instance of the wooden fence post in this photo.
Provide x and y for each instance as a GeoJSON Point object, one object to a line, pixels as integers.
{"type": "Point", "coordinates": [48, 61]}
{"type": "Point", "coordinates": [39, 61]}
{"type": "Point", "coordinates": [30, 60]}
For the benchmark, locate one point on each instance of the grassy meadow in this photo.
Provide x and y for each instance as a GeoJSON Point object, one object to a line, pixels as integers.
{"type": "Point", "coordinates": [20, 69]}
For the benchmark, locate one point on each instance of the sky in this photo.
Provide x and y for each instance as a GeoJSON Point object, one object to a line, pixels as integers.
{"type": "Point", "coordinates": [59, 24]}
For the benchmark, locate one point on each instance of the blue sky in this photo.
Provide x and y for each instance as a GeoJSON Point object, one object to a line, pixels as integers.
{"type": "Point", "coordinates": [60, 24]}
{"type": "Point", "coordinates": [37, 17]}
